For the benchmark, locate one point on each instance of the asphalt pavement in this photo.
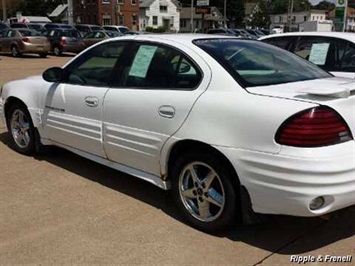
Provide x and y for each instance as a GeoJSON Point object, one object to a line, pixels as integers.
{"type": "Point", "coordinates": [58, 208]}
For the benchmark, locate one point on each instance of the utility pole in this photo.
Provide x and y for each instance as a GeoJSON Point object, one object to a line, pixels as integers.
{"type": "Point", "coordinates": [70, 12]}
{"type": "Point", "coordinates": [4, 12]}
{"type": "Point", "coordinates": [192, 16]}
{"type": "Point", "coordinates": [225, 14]}
{"type": "Point", "coordinates": [290, 3]}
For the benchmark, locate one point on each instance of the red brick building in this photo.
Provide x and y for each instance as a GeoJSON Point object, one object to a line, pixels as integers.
{"type": "Point", "coordinates": [107, 12]}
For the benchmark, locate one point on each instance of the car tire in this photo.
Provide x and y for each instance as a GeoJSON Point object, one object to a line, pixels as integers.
{"type": "Point", "coordinates": [57, 51]}
{"type": "Point", "coordinates": [14, 51]}
{"type": "Point", "coordinates": [206, 191]}
{"type": "Point", "coordinates": [43, 55]}
{"type": "Point", "coordinates": [21, 129]}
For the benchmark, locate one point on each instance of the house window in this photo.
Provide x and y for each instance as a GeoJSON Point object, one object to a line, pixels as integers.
{"type": "Point", "coordinates": [155, 20]}
{"type": "Point", "coordinates": [121, 20]}
{"type": "Point", "coordinates": [183, 23]}
{"type": "Point", "coordinates": [106, 21]}
{"type": "Point", "coordinates": [305, 18]}
{"type": "Point", "coordinates": [163, 9]}
{"type": "Point", "coordinates": [280, 19]}
{"type": "Point", "coordinates": [134, 2]}
{"type": "Point", "coordinates": [120, 2]}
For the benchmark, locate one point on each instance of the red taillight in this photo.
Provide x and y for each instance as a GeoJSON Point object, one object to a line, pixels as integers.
{"type": "Point", "coordinates": [319, 126]}
{"type": "Point", "coordinates": [26, 40]}
{"type": "Point", "coordinates": [63, 41]}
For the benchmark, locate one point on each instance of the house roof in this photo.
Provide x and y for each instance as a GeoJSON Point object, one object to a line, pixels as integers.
{"type": "Point", "coordinates": [148, 3]}
{"type": "Point", "coordinates": [58, 10]}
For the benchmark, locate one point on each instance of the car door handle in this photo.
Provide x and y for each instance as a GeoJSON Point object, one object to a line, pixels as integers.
{"type": "Point", "coordinates": [91, 101]}
{"type": "Point", "coordinates": [166, 111]}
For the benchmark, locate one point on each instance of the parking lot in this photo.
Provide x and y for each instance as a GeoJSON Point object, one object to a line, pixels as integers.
{"type": "Point", "coordinates": [59, 208]}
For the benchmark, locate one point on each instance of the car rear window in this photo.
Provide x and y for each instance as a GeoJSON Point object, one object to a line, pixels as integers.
{"type": "Point", "coordinates": [253, 63]}
{"type": "Point", "coordinates": [29, 33]}
{"type": "Point", "coordinates": [71, 33]}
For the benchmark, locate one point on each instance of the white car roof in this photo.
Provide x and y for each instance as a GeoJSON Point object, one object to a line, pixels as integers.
{"type": "Point", "coordinates": [185, 38]}
{"type": "Point", "coordinates": [341, 35]}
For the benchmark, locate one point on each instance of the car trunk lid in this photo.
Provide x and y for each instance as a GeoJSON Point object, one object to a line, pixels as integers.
{"type": "Point", "coordinates": [337, 93]}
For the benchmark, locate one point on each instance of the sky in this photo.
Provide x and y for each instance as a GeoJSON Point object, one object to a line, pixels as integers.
{"type": "Point", "coordinates": [314, 2]}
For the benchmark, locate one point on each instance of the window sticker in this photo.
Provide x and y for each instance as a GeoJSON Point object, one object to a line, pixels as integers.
{"type": "Point", "coordinates": [319, 53]}
{"type": "Point", "coordinates": [142, 61]}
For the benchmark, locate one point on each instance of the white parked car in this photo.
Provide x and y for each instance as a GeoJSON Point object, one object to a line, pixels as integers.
{"type": "Point", "coordinates": [331, 51]}
{"type": "Point", "coordinates": [225, 123]}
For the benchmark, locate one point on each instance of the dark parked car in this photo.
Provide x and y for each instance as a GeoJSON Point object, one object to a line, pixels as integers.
{"type": "Point", "coordinates": [97, 36]}
{"type": "Point", "coordinates": [87, 28]}
{"type": "Point", "coordinates": [19, 41]}
{"type": "Point", "coordinates": [120, 29]}
{"type": "Point", "coordinates": [222, 31]}
{"type": "Point", "coordinates": [65, 40]}
{"type": "Point", "coordinates": [3, 26]}
{"type": "Point", "coordinates": [50, 26]}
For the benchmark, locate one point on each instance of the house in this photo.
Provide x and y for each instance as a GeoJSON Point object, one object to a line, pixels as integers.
{"type": "Point", "coordinates": [213, 19]}
{"type": "Point", "coordinates": [107, 12]}
{"type": "Point", "coordinates": [297, 18]}
{"type": "Point", "coordinates": [160, 13]}
{"type": "Point", "coordinates": [60, 13]}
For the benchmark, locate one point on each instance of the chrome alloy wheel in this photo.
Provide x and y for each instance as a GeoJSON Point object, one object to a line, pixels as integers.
{"type": "Point", "coordinates": [20, 128]}
{"type": "Point", "coordinates": [201, 191]}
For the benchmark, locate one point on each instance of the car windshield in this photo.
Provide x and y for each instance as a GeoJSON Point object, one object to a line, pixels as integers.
{"type": "Point", "coordinates": [29, 33]}
{"type": "Point", "coordinates": [123, 29]}
{"type": "Point", "coordinates": [253, 63]}
{"type": "Point", "coordinates": [71, 33]}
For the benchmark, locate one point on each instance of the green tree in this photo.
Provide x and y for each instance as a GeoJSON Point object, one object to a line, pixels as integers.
{"type": "Point", "coordinates": [260, 16]}
{"type": "Point", "coordinates": [324, 5]}
{"type": "Point", "coordinates": [36, 7]}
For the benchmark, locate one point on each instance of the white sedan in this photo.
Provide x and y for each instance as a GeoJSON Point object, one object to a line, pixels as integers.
{"type": "Point", "coordinates": [231, 126]}
{"type": "Point", "coordinates": [331, 51]}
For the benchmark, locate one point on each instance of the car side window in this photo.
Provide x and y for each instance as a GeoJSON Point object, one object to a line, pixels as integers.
{"type": "Point", "coordinates": [348, 61]}
{"type": "Point", "coordinates": [282, 42]}
{"type": "Point", "coordinates": [10, 34]}
{"type": "Point", "coordinates": [160, 67]}
{"type": "Point", "coordinates": [94, 68]}
{"type": "Point", "coordinates": [327, 53]}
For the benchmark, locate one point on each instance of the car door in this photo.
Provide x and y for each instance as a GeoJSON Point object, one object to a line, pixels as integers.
{"type": "Point", "coordinates": [327, 53]}
{"type": "Point", "coordinates": [73, 109]}
{"type": "Point", "coordinates": [157, 89]}
{"type": "Point", "coordinates": [8, 40]}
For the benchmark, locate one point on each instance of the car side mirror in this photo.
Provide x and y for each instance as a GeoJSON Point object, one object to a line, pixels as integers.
{"type": "Point", "coordinates": [53, 74]}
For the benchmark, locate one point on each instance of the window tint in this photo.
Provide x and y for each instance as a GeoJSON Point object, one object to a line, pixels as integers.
{"type": "Point", "coordinates": [94, 68]}
{"type": "Point", "coordinates": [348, 61]}
{"type": "Point", "coordinates": [282, 42]}
{"type": "Point", "coordinates": [160, 67]}
{"type": "Point", "coordinates": [254, 63]}
{"type": "Point", "coordinates": [71, 33]}
{"type": "Point", "coordinates": [326, 53]}
{"type": "Point", "coordinates": [29, 33]}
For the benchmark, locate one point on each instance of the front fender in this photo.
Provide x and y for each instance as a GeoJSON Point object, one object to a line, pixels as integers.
{"type": "Point", "coordinates": [27, 91]}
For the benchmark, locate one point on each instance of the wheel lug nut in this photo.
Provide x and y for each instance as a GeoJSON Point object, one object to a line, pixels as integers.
{"type": "Point", "coordinates": [194, 192]}
{"type": "Point", "coordinates": [200, 199]}
{"type": "Point", "coordinates": [196, 184]}
{"type": "Point", "coordinates": [206, 194]}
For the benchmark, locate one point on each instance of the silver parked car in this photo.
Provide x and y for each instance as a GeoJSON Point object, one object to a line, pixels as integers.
{"type": "Point", "coordinates": [20, 41]}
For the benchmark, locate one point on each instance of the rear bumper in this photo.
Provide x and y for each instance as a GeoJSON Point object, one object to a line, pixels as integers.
{"type": "Point", "coordinates": [35, 48]}
{"type": "Point", "coordinates": [281, 184]}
